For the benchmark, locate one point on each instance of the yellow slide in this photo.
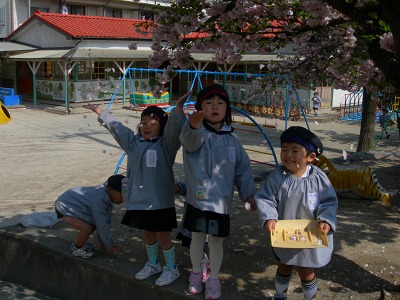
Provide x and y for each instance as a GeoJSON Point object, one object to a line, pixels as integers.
{"type": "Point", "coordinates": [5, 116]}
{"type": "Point", "coordinates": [361, 180]}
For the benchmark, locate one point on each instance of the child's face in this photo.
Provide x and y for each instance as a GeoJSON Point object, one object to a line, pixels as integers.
{"type": "Point", "coordinates": [115, 196]}
{"type": "Point", "coordinates": [214, 109]}
{"type": "Point", "coordinates": [294, 158]}
{"type": "Point", "coordinates": [149, 128]}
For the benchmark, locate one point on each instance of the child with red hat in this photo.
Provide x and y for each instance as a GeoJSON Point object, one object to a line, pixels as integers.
{"type": "Point", "coordinates": [151, 205]}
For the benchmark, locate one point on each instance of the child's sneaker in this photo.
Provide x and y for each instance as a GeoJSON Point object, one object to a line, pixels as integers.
{"type": "Point", "coordinates": [213, 289]}
{"type": "Point", "coordinates": [90, 246]}
{"type": "Point", "coordinates": [205, 268]}
{"type": "Point", "coordinates": [280, 296]}
{"type": "Point", "coordinates": [195, 283]}
{"type": "Point", "coordinates": [147, 271]}
{"type": "Point", "coordinates": [167, 277]}
{"type": "Point", "coordinates": [83, 252]}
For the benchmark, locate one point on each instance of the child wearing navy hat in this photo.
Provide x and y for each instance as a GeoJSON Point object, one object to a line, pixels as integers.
{"type": "Point", "coordinates": [296, 189]}
{"type": "Point", "coordinates": [151, 204]}
{"type": "Point", "coordinates": [214, 162]}
{"type": "Point", "coordinates": [88, 209]}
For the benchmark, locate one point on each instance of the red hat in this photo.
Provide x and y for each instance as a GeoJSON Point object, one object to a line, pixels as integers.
{"type": "Point", "coordinates": [157, 113]}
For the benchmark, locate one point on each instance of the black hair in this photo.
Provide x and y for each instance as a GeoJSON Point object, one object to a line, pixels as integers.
{"type": "Point", "coordinates": [211, 91]}
{"type": "Point", "coordinates": [115, 182]}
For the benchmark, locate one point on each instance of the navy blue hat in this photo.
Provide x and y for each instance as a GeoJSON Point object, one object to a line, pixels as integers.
{"type": "Point", "coordinates": [304, 137]}
{"type": "Point", "coordinates": [115, 182]}
{"type": "Point", "coordinates": [157, 113]}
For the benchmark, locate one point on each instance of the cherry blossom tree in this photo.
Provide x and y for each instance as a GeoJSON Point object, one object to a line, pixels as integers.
{"type": "Point", "coordinates": [352, 43]}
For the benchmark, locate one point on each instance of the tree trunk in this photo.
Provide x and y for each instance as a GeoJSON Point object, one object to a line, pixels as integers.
{"type": "Point", "coordinates": [367, 129]}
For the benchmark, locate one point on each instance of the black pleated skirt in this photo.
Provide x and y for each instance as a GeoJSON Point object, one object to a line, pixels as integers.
{"type": "Point", "coordinates": [196, 220]}
{"type": "Point", "coordinates": [160, 220]}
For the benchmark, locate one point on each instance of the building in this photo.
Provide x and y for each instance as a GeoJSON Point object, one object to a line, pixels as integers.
{"type": "Point", "coordinates": [82, 55]}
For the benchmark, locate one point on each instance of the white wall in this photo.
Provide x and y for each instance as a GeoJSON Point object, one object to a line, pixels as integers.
{"type": "Point", "coordinates": [339, 97]}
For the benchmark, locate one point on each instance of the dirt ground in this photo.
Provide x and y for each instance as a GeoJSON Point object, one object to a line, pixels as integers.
{"type": "Point", "coordinates": [50, 153]}
{"type": "Point", "coordinates": [365, 264]}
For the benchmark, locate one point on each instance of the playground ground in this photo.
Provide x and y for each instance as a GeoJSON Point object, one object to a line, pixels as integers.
{"type": "Point", "coordinates": [43, 154]}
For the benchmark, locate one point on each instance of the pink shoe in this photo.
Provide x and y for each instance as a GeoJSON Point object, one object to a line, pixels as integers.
{"type": "Point", "coordinates": [205, 268]}
{"type": "Point", "coordinates": [195, 283]}
{"type": "Point", "coordinates": [213, 289]}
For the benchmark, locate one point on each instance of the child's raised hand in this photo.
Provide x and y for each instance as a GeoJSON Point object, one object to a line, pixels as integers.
{"type": "Point", "coordinates": [196, 118]}
{"type": "Point", "coordinates": [181, 101]}
{"type": "Point", "coordinates": [93, 107]}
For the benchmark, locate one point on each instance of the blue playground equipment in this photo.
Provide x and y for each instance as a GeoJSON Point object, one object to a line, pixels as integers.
{"type": "Point", "coordinates": [249, 137]}
{"type": "Point", "coordinates": [351, 109]}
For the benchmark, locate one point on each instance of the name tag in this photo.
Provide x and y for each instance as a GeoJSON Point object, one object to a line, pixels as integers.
{"type": "Point", "coordinates": [151, 158]}
{"type": "Point", "coordinates": [313, 201]}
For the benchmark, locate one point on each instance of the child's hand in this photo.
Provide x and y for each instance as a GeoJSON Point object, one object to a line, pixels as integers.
{"type": "Point", "coordinates": [93, 107]}
{"type": "Point", "coordinates": [114, 250]}
{"type": "Point", "coordinates": [196, 118]}
{"type": "Point", "coordinates": [270, 225]}
{"type": "Point", "coordinates": [251, 204]}
{"type": "Point", "coordinates": [324, 227]}
{"type": "Point", "coordinates": [180, 102]}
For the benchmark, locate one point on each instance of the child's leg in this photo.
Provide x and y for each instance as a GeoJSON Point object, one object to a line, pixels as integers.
{"type": "Point", "coordinates": [196, 250]}
{"type": "Point", "coordinates": [196, 256]}
{"type": "Point", "coordinates": [282, 279]}
{"type": "Point", "coordinates": [151, 246]}
{"type": "Point", "coordinates": [85, 230]}
{"type": "Point", "coordinates": [152, 266]}
{"type": "Point", "coordinates": [164, 239]}
{"type": "Point", "coordinates": [216, 247]}
{"type": "Point", "coordinates": [308, 282]}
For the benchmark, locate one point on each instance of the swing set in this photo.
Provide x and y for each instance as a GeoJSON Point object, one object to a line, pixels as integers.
{"type": "Point", "coordinates": [258, 107]}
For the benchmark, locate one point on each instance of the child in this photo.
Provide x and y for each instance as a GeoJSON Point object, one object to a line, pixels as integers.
{"type": "Point", "coordinates": [385, 121]}
{"type": "Point", "coordinates": [316, 102]}
{"type": "Point", "coordinates": [214, 161]}
{"type": "Point", "coordinates": [151, 204]}
{"type": "Point", "coordinates": [88, 209]}
{"type": "Point", "coordinates": [298, 190]}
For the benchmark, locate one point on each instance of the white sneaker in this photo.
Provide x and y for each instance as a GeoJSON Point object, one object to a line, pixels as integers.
{"type": "Point", "coordinates": [147, 271]}
{"type": "Point", "coordinates": [167, 277]}
{"type": "Point", "coordinates": [83, 252]}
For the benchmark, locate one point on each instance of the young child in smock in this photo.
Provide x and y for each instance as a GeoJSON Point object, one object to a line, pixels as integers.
{"type": "Point", "coordinates": [298, 190]}
{"type": "Point", "coordinates": [89, 209]}
{"type": "Point", "coordinates": [214, 162]}
{"type": "Point", "coordinates": [151, 200]}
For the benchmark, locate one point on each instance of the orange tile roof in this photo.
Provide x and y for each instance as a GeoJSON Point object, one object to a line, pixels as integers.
{"type": "Point", "coordinates": [79, 26]}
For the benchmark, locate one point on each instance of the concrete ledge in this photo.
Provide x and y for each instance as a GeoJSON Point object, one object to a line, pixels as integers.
{"type": "Point", "coordinates": [41, 262]}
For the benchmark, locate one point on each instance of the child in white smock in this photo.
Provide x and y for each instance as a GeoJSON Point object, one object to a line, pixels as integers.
{"type": "Point", "coordinates": [214, 162]}
{"type": "Point", "coordinates": [151, 197]}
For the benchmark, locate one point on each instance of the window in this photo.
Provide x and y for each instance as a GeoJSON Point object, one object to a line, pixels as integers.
{"type": "Point", "coordinates": [85, 70]}
{"type": "Point", "coordinates": [99, 70]}
{"type": "Point", "coordinates": [76, 9]}
{"type": "Point", "coordinates": [147, 15]}
{"type": "Point", "coordinates": [45, 70]}
{"type": "Point", "coordinates": [49, 70]}
{"type": "Point", "coordinates": [238, 68]}
{"type": "Point", "coordinates": [2, 15]}
{"type": "Point", "coordinates": [39, 8]}
{"type": "Point", "coordinates": [113, 13]}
